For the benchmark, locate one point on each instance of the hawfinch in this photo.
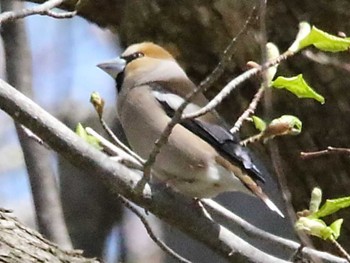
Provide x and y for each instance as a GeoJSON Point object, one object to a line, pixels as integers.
{"type": "Point", "coordinates": [201, 158]}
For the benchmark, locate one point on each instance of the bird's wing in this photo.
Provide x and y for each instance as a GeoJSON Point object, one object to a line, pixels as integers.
{"type": "Point", "coordinates": [217, 136]}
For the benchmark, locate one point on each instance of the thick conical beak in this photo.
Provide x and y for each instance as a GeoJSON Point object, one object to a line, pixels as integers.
{"type": "Point", "coordinates": [113, 67]}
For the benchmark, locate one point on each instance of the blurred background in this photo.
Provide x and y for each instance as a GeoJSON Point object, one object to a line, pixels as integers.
{"type": "Point", "coordinates": [63, 56]}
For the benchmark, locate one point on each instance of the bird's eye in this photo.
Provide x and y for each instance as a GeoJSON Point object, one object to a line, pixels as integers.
{"type": "Point", "coordinates": [133, 56]}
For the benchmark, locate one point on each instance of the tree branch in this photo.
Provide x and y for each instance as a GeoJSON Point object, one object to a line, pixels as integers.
{"type": "Point", "coordinates": [286, 245]}
{"type": "Point", "coordinates": [43, 9]}
{"type": "Point", "coordinates": [330, 150]}
{"type": "Point", "coordinates": [150, 232]}
{"type": "Point", "coordinates": [166, 204]}
{"type": "Point", "coordinates": [19, 243]}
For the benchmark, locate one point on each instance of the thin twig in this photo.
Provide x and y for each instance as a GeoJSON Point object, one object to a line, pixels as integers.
{"type": "Point", "coordinates": [163, 139]}
{"type": "Point", "coordinates": [324, 59]}
{"type": "Point", "coordinates": [210, 106]}
{"type": "Point", "coordinates": [118, 142]}
{"type": "Point", "coordinates": [60, 15]}
{"type": "Point", "coordinates": [39, 9]}
{"type": "Point", "coordinates": [226, 57]}
{"type": "Point", "coordinates": [250, 110]}
{"type": "Point", "coordinates": [234, 83]}
{"type": "Point", "coordinates": [205, 84]}
{"type": "Point", "coordinates": [328, 151]}
{"type": "Point", "coordinates": [340, 248]}
{"type": "Point", "coordinates": [288, 246]}
{"type": "Point", "coordinates": [298, 255]}
{"type": "Point", "coordinates": [150, 232]}
{"type": "Point", "coordinates": [33, 136]}
{"type": "Point", "coordinates": [125, 157]}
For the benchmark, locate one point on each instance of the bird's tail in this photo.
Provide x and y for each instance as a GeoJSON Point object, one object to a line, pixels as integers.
{"type": "Point", "coordinates": [250, 184]}
{"type": "Point", "coordinates": [256, 190]}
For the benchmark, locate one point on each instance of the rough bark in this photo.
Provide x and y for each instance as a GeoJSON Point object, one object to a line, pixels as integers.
{"type": "Point", "coordinates": [19, 243]}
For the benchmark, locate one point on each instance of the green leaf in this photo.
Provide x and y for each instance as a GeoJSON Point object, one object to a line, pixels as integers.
{"type": "Point", "coordinates": [80, 131]}
{"type": "Point", "coordinates": [259, 123]}
{"type": "Point", "coordinates": [324, 41]}
{"type": "Point", "coordinates": [336, 227]}
{"type": "Point", "coordinates": [93, 141]}
{"type": "Point", "coordinates": [298, 86]}
{"type": "Point", "coordinates": [331, 206]}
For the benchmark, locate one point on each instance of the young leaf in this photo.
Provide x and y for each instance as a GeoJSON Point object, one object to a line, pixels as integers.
{"type": "Point", "coordinates": [97, 102]}
{"type": "Point", "coordinates": [81, 132]}
{"type": "Point", "coordinates": [284, 125]}
{"type": "Point", "coordinates": [298, 86]}
{"type": "Point", "coordinates": [324, 41]}
{"type": "Point", "coordinates": [316, 198]}
{"type": "Point", "coordinates": [259, 123]}
{"type": "Point", "coordinates": [331, 206]}
{"type": "Point", "coordinates": [336, 227]}
{"type": "Point", "coordinates": [312, 226]}
{"type": "Point", "coordinates": [304, 31]}
{"type": "Point", "coordinates": [272, 52]}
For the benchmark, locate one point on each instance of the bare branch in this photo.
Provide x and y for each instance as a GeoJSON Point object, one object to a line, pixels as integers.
{"type": "Point", "coordinates": [60, 15]}
{"type": "Point", "coordinates": [165, 204]}
{"type": "Point", "coordinates": [150, 232]}
{"type": "Point", "coordinates": [126, 158]}
{"type": "Point", "coordinates": [249, 111]}
{"type": "Point", "coordinates": [325, 59]}
{"type": "Point", "coordinates": [234, 83]}
{"type": "Point", "coordinates": [226, 57]}
{"type": "Point", "coordinates": [203, 86]}
{"type": "Point", "coordinates": [33, 136]}
{"type": "Point", "coordinates": [289, 246]}
{"type": "Point", "coordinates": [330, 150]}
{"type": "Point", "coordinates": [341, 250]}
{"type": "Point", "coordinates": [119, 144]}
{"type": "Point", "coordinates": [43, 9]}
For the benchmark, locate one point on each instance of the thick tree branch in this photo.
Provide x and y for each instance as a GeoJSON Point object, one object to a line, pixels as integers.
{"type": "Point", "coordinates": [19, 243]}
{"type": "Point", "coordinates": [163, 203]}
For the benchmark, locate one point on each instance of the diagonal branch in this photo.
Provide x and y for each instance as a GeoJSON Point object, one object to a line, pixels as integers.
{"type": "Point", "coordinates": [150, 232]}
{"type": "Point", "coordinates": [204, 85]}
{"type": "Point", "coordinates": [165, 204]}
{"type": "Point", "coordinates": [226, 91]}
{"type": "Point", "coordinates": [43, 9]}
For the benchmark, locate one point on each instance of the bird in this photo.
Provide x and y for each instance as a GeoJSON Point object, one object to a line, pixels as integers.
{"type": "Point", "coordinates": [201, 158]}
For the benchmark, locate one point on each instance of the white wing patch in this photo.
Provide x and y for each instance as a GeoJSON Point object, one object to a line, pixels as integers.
{"type": "Point", "coordinates": [174, 101]}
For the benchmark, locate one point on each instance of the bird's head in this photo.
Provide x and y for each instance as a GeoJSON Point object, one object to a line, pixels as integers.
{"type": "Point", "coordinates": [142, 63]}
